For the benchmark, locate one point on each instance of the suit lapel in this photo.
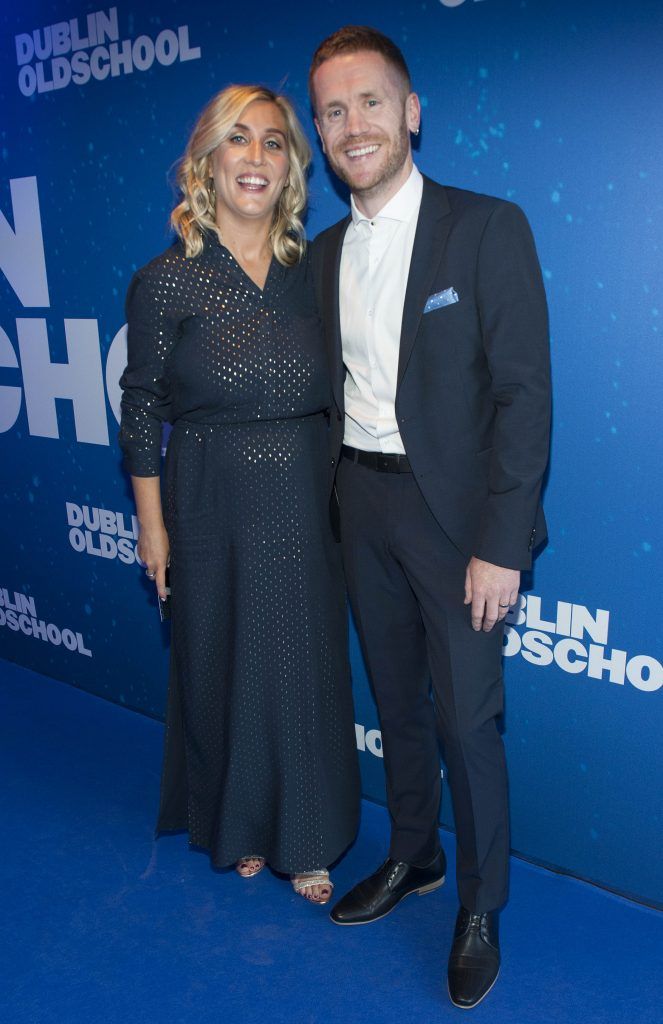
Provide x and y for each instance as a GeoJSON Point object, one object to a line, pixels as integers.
{"type": "Point", "coordinates": [331, 307]}
{"type": "Point", "coordinates": [433, 228]}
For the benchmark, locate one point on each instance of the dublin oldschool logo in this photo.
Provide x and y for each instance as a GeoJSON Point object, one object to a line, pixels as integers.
{"type": "Point", "coordinates": [74, 52]}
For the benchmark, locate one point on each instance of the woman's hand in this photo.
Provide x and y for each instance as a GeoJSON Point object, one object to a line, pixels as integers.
{"type": "Point", "coordinates": [153, 545]}
{"type": "Point", "coordinates": [154, 551]}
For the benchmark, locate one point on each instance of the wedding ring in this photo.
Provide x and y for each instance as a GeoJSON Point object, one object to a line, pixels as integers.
{"type": "Point", "coordinates": [503, 605]}
{"type": "Point", "coordinates": [150, 575]}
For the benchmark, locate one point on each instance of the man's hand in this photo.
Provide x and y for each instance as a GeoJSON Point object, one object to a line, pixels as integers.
{"type": "Point", "coordinates": [490, 589]}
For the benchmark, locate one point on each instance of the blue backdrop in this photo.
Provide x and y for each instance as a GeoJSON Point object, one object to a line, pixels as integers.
{"type": "Point", "coordinates": [555, 105]}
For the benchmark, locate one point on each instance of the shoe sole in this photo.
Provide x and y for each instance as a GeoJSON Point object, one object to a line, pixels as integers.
{"type": "Point", "coordinates": [460, 1006]}
{"type": "Point", "coordinates": [420, 892]}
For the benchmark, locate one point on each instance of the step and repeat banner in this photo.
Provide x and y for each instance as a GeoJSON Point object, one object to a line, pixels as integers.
{"type": "Point", "coordinates": [555, 105]}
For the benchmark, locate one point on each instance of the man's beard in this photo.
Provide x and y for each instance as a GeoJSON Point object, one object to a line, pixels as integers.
{"type": "Point", "coordinates": [400, 148]}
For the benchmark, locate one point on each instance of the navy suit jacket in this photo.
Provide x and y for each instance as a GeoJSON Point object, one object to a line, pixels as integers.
{"type": "Point", "coordinates": [473, 392]}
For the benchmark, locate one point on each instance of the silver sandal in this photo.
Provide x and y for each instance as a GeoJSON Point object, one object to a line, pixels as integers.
{"type": "Point", "coordinates": [310, 878]}
{"type": "Point", "coordinates": [252, 858]}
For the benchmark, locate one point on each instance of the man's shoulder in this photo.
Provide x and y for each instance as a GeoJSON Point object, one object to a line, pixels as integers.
{"type": "Point", "coordinates": [462, 198]}
{"type": "Point", "coordinates": [330, 233]}
{"type": "Point", "coordinates": [325, 245]}
{"type": "Point", "coordinates": [463, 203]}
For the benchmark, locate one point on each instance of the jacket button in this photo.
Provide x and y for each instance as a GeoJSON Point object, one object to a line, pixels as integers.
{"type": "Point", "coordinates": [333, 462]}
{"type": "Point", "coordinates": [339, 417]}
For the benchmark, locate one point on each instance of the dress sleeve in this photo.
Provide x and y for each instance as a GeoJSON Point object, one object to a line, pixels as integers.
{"type": "Point", "coordinates": [146, 398]}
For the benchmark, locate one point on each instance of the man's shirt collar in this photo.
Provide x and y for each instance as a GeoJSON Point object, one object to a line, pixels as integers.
{"type": "Point", "coordinates": [401, 207]}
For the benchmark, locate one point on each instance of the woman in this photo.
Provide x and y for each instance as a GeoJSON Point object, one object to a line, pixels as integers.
{"type": "Point", "coordinates": [260, 761]}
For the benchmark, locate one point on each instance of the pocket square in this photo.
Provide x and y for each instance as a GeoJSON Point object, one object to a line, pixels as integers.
{"type": "Point", "coordinates": [440, 299]}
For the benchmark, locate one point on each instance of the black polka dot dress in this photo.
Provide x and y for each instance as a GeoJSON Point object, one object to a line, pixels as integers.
{"type": "Point", "coordinates": [260, 752]}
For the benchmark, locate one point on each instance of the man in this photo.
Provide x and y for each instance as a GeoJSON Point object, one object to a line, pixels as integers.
{"type": "Point", "coordinates": [436, 325]}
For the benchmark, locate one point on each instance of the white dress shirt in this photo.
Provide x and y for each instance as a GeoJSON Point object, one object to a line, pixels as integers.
{"type": "Point", "coordinates": [375, 263]}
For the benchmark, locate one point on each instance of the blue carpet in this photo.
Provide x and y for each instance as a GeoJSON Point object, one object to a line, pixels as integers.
{"type": "Point", "coordinates": [103, 924]}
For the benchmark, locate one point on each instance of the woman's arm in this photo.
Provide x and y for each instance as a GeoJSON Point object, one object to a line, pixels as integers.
{"type": "Point", "coordinates": [153, 544]}
{"type": "Point", "coordinates": [152, 333]}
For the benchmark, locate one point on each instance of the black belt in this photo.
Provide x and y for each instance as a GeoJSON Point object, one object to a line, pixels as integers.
{"type": "Point", "coordinates": [382, 462]}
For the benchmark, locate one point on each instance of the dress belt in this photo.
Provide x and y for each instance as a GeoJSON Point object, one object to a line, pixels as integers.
{"type": "Point", "coordinates": [383, 462]}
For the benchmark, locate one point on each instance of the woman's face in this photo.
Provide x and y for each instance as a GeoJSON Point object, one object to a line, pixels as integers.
{"type": "Point", "coordinates": [250, 167]}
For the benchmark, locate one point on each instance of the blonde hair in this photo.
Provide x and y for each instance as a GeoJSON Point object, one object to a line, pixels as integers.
{"type": "Point", "coordinates": [194, 215]}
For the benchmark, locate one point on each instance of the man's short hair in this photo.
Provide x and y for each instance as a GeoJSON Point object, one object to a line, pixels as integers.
{"type": "Point", "coordinates": [354, 39]}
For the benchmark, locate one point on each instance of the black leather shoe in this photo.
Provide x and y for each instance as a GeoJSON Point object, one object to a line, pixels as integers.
{"type": "Point", "coordinates": [376, 896]}
{"type": "Point", "coordinates": [474, 961]}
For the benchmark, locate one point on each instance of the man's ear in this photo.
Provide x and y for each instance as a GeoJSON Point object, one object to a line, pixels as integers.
{"type": "Point", "coordinates": [413, 112]}
{"type": "Point", "coordinates": [317, 128]}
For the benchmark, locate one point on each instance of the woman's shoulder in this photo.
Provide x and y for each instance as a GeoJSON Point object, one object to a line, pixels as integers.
{"type": "Point", "coordinates": [299, 291]}
{"type": "Point", "coordinates": [297, 275]}
{"type": "Point", "coordinates": [170, 261]}
{"type": "Point", "coordinates": [159, 275]}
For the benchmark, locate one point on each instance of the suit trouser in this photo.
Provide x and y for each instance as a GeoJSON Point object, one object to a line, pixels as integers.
{"type": "Point", "coordinates": [406, 586]}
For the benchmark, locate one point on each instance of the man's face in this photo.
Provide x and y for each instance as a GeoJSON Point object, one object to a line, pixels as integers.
{"type": "Point", "coordinates": [364, 117]}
